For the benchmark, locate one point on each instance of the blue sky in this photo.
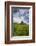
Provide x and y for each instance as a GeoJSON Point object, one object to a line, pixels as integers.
{"type": "Point", "coordinates": [21, 14]}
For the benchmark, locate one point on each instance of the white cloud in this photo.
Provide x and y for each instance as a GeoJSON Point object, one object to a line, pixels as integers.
{"type": "Point", "coordinates": [16, 20]}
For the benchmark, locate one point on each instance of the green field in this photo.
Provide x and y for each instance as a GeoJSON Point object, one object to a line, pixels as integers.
{"type": "Point", "coordinates": [20, 29]}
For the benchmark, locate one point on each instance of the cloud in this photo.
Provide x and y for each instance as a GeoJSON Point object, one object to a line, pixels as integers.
{"type": "Point", "coordinates": [16, 20]}
{"type": "Point", "coordinates": [21, 15]}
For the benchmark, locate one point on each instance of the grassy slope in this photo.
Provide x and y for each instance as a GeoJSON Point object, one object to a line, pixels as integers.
{"type": "Point", "coordinates": [20, 29]}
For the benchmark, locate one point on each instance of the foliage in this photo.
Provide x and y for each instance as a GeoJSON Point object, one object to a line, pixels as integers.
{"type": "Point", "coordinates": [20, 29]}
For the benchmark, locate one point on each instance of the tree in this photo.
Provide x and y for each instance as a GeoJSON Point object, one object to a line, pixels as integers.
{"type": "Point", "coordinates": [22, 22]}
